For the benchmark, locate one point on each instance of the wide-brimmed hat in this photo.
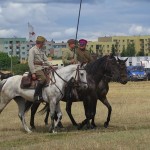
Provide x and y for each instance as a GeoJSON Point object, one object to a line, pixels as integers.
{"type": "Point", "coordinates": [41, 39]}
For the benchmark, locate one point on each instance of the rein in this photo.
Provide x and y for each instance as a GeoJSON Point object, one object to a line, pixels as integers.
{"type": "Point", "coordinates": [76, 76]}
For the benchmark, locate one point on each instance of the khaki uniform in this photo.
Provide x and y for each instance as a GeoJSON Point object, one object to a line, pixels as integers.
{"type": "Point", "coordinates": [67, 56]}
{"type": "Point", "coordinates": [37, 61]}
{"type": "Point", "coordinates": [84, 56]}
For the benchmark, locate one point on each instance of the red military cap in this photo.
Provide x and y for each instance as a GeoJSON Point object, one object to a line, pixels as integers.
{"type": "Point", "coordinates": [82, 41]}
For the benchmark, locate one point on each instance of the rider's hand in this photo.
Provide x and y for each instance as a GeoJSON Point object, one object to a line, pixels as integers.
{"type": "Point", "coordinates": [33, 76]}
{"type": "Point", "coordinates": [73, 61]}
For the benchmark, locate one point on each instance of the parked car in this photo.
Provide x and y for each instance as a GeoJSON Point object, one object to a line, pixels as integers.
{"type": "Point", "coordinates": [147, 70]}
{"type": "Point", "coordinates": [136, 73]}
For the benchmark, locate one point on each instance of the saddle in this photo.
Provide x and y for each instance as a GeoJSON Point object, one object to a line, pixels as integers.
{"type": "Point", "coordinates": [28, 83]}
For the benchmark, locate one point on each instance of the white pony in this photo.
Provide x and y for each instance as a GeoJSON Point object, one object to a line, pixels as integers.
{"type": "Point", "coordinates": [10, 89]}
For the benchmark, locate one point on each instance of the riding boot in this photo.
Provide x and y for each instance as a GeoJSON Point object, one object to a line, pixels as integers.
{"type": "Point", "coordinates": [38, 93]}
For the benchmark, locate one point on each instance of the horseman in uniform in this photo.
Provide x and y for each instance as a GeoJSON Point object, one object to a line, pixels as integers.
{"type": "Point", "coordinates": [37, 62]}
{"type": "Point", "coordinates": [83, 55]}
{"type": "Point", "coordinates": [69, 57]}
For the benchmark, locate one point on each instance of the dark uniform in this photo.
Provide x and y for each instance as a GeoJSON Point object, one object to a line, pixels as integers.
{"type": "Point", "coordinates": [83, 55]}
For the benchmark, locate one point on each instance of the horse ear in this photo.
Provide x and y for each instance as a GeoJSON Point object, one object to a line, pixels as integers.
{"type": "Point", "coordinates": [118, 59]}
{"type": "Point", "coordinates": [111, 55]}
{"type": "Point", "coordinates": [125, 59]}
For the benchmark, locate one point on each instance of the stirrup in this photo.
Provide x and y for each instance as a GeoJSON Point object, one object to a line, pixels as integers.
{"type": "Point", "coordinates": [38, 98]}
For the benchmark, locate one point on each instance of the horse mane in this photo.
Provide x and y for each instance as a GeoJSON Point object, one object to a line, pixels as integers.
{"type": "Point", "coordinates": [92, 67]}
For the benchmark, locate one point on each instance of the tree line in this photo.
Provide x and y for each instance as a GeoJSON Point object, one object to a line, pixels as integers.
{"type": "Point", "coordinates": [129, 51]}
{"type": "Point", "coordinates": [17, 67]}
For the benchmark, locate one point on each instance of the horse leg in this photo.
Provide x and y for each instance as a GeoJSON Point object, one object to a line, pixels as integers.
{"type": "Point", "coordinates": [68, 110]}
{"type": "Point", "coordinates": [59, 115]}
{"type": "Point", "coordinates": [87, 114]}
{"type": "Point", "coordinates": [93, 125]}
{"type": "Point", "coordinates": [52, 106]}
{"type": "Point", "coordinates": [4, 100]}
{"type": "Point", "coordinates": [46, 117]}
{"type": "Point", "coordinates": [21, 106]}
{"type": "Point", "coordinates": [33, 111]}
{"type": "Point", "coordinates": [106, 103]}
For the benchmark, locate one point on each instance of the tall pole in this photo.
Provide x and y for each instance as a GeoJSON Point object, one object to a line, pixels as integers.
{"type": "Point", "coordinates": [78, 19]}
{"type": "Point", "coordinates": [77, 27]}
{"type": "Point", "coordinates": [11, 59]}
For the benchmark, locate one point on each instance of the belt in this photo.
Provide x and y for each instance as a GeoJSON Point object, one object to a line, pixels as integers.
{"type": "Point", "coordinates": [38, 63]}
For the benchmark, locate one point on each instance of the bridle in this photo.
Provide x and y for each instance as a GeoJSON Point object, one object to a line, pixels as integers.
{"type": "Point", "coordinates": [105, 68]}
{"type": "Point", "coordinates": [77, 76]}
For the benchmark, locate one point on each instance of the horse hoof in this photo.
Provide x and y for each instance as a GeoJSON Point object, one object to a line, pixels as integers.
{"type": "Point", "coordinates": [93, 126]}
{"type": "Point", "coordinates": [75, 124]}
{"type": "Point", "coordinates": [60, 125]}
{"type": "Point", "coordinates": [106, 125]}
{"type": "Point", "coordinates": [29, 131]}
{"type": "Point", "coordinates": [79, 126]}
{"type": "Point", "coordinates": [33, 127]}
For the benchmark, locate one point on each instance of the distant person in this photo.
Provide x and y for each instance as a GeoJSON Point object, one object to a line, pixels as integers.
{"type": "Point", "coordinates": [37, 61]}
{"type": "Point", "coordinates": [83, 55]}
{"type": "Point", "coordinates": [68, 56]}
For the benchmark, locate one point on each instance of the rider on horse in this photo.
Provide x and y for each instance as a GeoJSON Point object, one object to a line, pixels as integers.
{"type": "Point", "coordinates": [37, 61]}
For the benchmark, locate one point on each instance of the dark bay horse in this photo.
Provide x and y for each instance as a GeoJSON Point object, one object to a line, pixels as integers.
{"type": "Point", "coordinates": [98, 75]}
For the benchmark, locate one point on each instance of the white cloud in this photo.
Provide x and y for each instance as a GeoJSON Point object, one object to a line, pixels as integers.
{"type": "Point", "coordinates": [137, 29]}
{"type": "Point", "coordinates": [56, 34]}
{"type": "Point", "coordinates": [70, 31]}
{"type": "Point", "coordinates": [57, 20]}
{"type": "Point", "coordinates": [7, 33]}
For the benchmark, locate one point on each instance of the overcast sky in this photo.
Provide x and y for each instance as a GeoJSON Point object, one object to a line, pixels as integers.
{"type": "Point", "coordinates": [57, 19]}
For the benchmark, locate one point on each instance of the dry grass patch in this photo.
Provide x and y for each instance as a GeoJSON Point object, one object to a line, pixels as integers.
{"type": "Point", "coordinates": [129, 127]}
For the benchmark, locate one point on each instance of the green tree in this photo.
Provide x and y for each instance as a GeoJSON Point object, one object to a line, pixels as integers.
{"type": "Point", "coordinates": [113, 50]}
{"type": "Point", "coordinates": [15, 60]}
{"type": "Point", "coordinates": [130, 51]}
{"type": "Point", "coordinates": [20, 68]}
{"type": "Point", "coordinates": [5, 61]}
{"type": "Point", "coordinates": [140, 53]}
{"type": "Point", "coordinates": [123, 53]}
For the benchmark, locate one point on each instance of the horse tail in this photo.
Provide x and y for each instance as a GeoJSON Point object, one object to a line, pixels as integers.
{"type": "Point", "coordinates": [44, 109]}
{"type": "Point", "coordinates": [2, 83]}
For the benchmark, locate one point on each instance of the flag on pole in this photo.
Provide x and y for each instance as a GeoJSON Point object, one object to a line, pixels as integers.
{"type": "Point", "coordinates": [31, 32]}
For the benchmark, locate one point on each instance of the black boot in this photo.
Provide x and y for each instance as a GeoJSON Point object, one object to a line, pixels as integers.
{"type": "Point", "coordinates": [38, 93]}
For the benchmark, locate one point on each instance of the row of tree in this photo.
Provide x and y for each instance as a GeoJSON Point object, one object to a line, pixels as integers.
{"type": "Point", "coordinates": [17, 67]}
{"type": "Point", "coordinates": [129, 51]}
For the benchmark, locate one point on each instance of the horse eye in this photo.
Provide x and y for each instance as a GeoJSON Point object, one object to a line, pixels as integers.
{"type": "Point", "coordinates": [81, 74]}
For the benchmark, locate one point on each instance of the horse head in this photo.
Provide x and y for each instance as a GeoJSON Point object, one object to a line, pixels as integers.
{"type": "Point", "coordinates": [80, 76]}
{"type": "Point", "coordinates": [112, 68]}
{"type": "Point", "coordinates": [123, 71]}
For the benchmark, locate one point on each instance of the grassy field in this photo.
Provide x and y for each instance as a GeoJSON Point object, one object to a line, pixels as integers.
{"type": "Point", "coordinates": [129, 127]}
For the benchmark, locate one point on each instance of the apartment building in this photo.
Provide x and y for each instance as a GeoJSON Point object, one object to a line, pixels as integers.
{"type": "Point", "coordinates": [20, 47]}
{"type": "Point", "coordinates": [104, 44]}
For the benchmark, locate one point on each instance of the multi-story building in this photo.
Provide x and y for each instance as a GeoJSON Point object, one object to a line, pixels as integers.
{"type": "Point", "coordinates": [14, 47]}
{"type": "Point", "coordinates": [20, 47]}
{"type": "Point", "coordinates": [104, 44]}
